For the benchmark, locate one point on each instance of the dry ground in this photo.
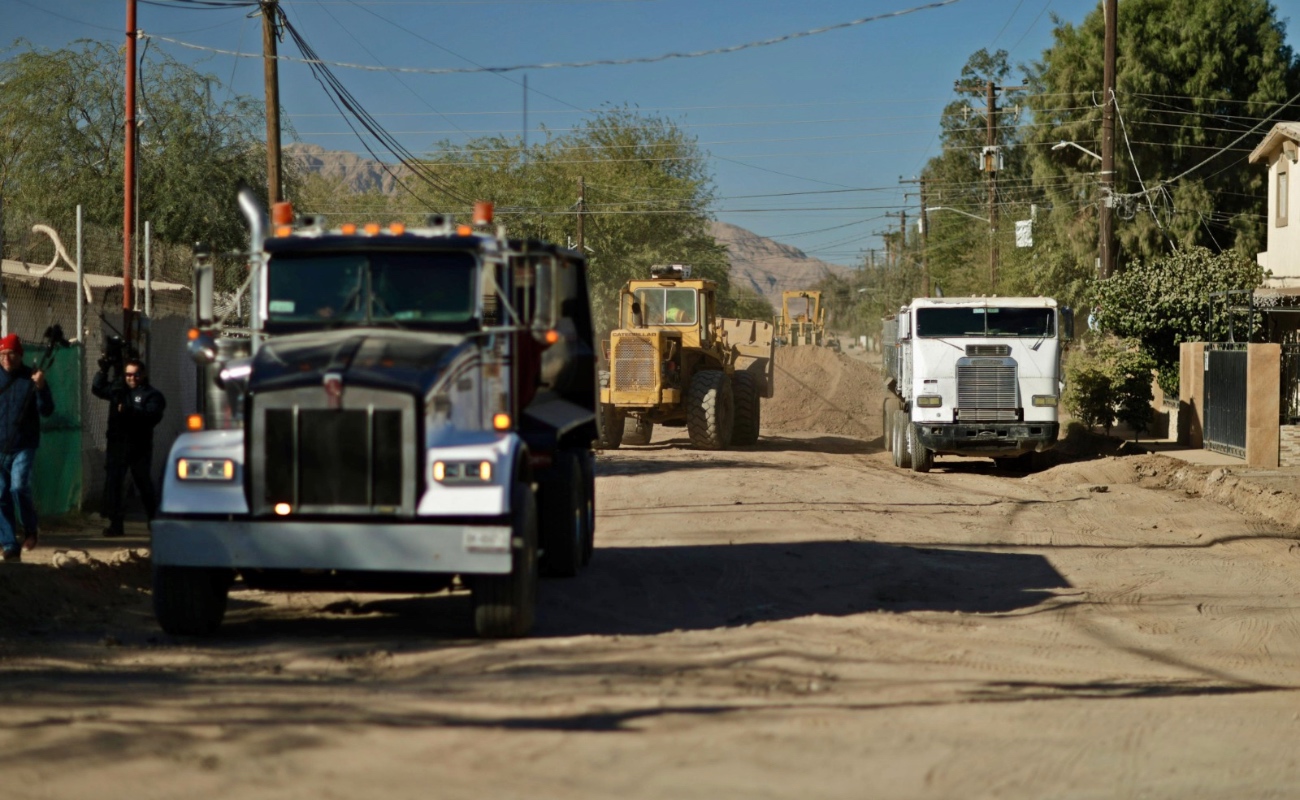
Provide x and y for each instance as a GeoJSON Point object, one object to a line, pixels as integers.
{"type": "Point", "coordinates": [795, 619]}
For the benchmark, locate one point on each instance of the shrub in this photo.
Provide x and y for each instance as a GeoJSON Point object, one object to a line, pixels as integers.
{"type": "Point", "coordinates": [1107, 382]}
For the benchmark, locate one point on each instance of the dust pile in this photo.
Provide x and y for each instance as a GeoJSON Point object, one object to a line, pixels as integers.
{"type": "Point", "coordinates": [71, 590]}
{"type": "Point", "coordinates": [821, 391]}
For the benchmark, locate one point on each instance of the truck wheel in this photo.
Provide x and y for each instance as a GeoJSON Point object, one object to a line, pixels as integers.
{"type": "Point", "coordinates": [887, 409]}
{"type": "Point", "coordinates": [609, 427]}
{"type": "Point", "coordinates": [587, 460]}
{"type": "Point", "coordinates": [562, 514]}
{"type": "Point", "coordinates": [190, 601]}
{"type": "Point", "coordinates": [922, 456]}
{"type": "Point", "coordinates": [902, 454]}
{"type": "Point", "coordinates": [709, 410]}
{"type": "Point", "coordinates": [637, 431]}
{"type": "Point", "coordinates": [506, 605]}
{"type": "Point", "coordinates": [748, 418]}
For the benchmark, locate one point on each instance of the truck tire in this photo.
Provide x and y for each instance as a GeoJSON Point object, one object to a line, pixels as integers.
{"type": "Point", "coordinates": [902, 454]}
{"type": "Point", "coordinates": [562, 517]}
{"type": "Point", "coordinates": [609, 427]}
{"type": "Point", "coordinates": [748, 417]}
{"type": "Point", "coordinates": [505, 606]}
{"type": "Point", "coordinates": [922, 456]}
{"type": "Point", "coordinates": [709, 410]}
{"type": "Point", "coordinates": [637, 431]}
{"type": "Point", "coordinates": [190, 601]}
{"type": "Point", "coordinates": [887, 409]}
{"type": "Point", "coordinates": [587, 460]}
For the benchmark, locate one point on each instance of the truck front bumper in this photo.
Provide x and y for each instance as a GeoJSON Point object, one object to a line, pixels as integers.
{"type": "Point", "coordinates": [419, 547]}
{"type": "Point", "coordinates": [988, 438]}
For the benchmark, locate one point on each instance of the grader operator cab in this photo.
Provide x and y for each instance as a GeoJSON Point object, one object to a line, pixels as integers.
{"type": "Point", "coordinates": [674, 362]}
{"type": "Point", "coordinates": [802, 320]}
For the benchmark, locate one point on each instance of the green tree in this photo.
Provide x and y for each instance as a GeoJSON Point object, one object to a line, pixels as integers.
{"type": "Point", "coordinates": [62, 113]}
{"type": "Point", "coordinates": [1162, 302]}
{"type": "Point", "coordinates": [1192, 76]}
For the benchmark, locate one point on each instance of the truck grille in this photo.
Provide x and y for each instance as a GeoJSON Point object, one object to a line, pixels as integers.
{"type": "Point", "coordinates": [986, 389]}
{"type": "Point", "coordinates": [634, 363]}
{"type": "Point", "coordinates": [358, 459]}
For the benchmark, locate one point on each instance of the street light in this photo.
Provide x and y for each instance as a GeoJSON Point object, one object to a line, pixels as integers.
{"type": "Point", "coordinates": [958, 210]}
{"type": "Point", "coordinates": [1063, 145]}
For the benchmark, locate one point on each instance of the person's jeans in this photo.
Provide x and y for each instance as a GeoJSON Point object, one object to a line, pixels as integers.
{"type": "Point", "coordinates": [16, 490]}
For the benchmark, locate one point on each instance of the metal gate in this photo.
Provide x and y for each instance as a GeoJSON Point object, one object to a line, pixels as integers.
{"type": "Point", "coordinates": [1225, 399]}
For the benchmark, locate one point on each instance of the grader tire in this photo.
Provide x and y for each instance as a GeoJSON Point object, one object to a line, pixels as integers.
{"type": "Point", "coordinates": [748, 416]}
{"type": "Point", "coordinates": [609, 427]}
{"type": "Point", "coordinates": [709, 410]}
{"type": "Point", "coordinates": [637, 431]}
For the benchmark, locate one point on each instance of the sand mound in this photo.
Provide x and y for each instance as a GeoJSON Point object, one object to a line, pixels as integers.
{"type": "Point", "coordinates": [821, 391]}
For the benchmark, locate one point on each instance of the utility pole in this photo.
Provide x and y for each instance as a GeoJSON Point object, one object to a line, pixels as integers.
{"type": "Point", "coordinates": [582, 210]}
{"type": "Point", "coordinates": [1106, 234]}
{"type": "Point", "coordinates": [128, 172]}
{"type": "Point", "coordinates": [990, 163]}
{"type": "Point", "coordinates": [271, 72]}
{"type": "Point", "coordinates": [925, 231]}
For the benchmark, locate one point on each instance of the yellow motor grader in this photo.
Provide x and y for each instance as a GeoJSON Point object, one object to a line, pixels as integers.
{"type": "Point", "coordinates": [802, 320]}
{"type": "Point", "coordinates": [673, 361]}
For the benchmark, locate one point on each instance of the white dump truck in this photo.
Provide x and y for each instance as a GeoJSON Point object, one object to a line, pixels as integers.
{"type": "Point", "coordinates": [974, 376]}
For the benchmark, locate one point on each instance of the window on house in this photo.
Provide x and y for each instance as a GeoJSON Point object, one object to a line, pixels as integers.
{"type": "Point", "coordinates": [1283, 193]}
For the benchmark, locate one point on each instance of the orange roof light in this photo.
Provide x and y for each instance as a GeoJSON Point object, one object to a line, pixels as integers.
{"type": "Point", "coordinates": [282, 213]}
{"type": "Point", "coordinates": [194, 422]}
{"type": "Point", "coordinates": [482, 213]}
{"type": "Point", "coordinates": [372, 228]}
{"type": "Point", "coordinates": [398, 228]}
{"type": "Point", "coordinates": [348, 228]}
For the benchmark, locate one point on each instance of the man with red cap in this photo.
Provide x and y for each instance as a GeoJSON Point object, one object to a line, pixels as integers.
{"type": "Point", "coordinates": [24, 398]}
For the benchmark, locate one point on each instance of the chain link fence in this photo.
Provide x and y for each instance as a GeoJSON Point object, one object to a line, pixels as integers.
{"type": "Point", "coordinates": [40, 291]}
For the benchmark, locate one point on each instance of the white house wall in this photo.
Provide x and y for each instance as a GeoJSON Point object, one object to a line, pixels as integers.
{"type": "Point", "coordinates": [1282, 258]}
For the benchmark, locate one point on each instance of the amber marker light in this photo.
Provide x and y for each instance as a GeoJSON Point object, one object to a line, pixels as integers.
{"type": "Point", "coordinates": [281, 231]}
{"type": "Point", "coordinates": [552, 336]}
{"type": "Point", "coordinates": [398, 228]}
{"type": "Point", "coordinates": [501, 422]}
{"type": "Point", "coordinates": [194, 422]}
{"type": "Point", "coordinates": [372, 228]}
{"type": "Point", "coordinates": [348, 228]}
{"type": "Point", "coordinates": [282, 509]}
{"type": "Point", "coordinates": [464, 230]}
{"type": "Point", "coordinates": [192, 334]}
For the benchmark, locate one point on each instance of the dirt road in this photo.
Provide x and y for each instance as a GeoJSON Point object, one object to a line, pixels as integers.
{"type": "Point", "coordinates": [796, 619]}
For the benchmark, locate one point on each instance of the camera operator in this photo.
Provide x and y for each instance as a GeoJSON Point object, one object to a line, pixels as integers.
{"type": "Point", "coordinates": [135, 409]}
{"type": "Point", "coordinates": [20, 435]}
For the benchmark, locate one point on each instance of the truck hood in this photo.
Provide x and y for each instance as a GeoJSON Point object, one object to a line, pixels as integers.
{"type": "Point", "coordinates": [380, 358]}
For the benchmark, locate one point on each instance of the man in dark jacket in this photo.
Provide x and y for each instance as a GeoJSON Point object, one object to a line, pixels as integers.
{"type": "Point", "coordinates": [135, 409]}
{"type": "Point", "coordinates": [24, 398]}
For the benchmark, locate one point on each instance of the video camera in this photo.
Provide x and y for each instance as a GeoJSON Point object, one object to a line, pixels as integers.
{"type": "Point", "coordinates": [115, 354]}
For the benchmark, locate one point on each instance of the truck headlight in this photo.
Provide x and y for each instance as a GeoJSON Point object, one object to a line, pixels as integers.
{"type": "Point", "coordinates": [1045, 400]}
{"type": "Point", "coordinates": [205, 469]}
{"type": "Point", "coordinates": [460, 472]}
{"type": "Point", "coordinates": [929, 401]}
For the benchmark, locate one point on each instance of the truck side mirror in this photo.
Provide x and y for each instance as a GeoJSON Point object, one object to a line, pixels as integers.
{"type": "Point", "coordinates": [904, 325]}
{"type": "Point", "coordinates": [1067, 324]}
{"type": "Point", "coordinates": [204, 276]}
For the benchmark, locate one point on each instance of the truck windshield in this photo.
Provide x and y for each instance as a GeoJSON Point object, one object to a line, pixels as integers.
{"type": "Point", "coordinates": [324, 289]}
{"type": "Point", "coordinates": [991, 321]}
{"type": "Point", "coordinates": [667, 306]}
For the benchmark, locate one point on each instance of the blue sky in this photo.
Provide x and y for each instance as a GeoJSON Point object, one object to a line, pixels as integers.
{"type": "Point", "coordinates": [787, 126]}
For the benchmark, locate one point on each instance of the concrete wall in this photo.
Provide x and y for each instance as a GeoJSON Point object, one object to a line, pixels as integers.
{"type": "Point", "coordinates": [1263, 402]}
{"type": "Point", "coordinates": [1289, 446]}
{"type": "Point", "coordinates": [1191, 394]}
